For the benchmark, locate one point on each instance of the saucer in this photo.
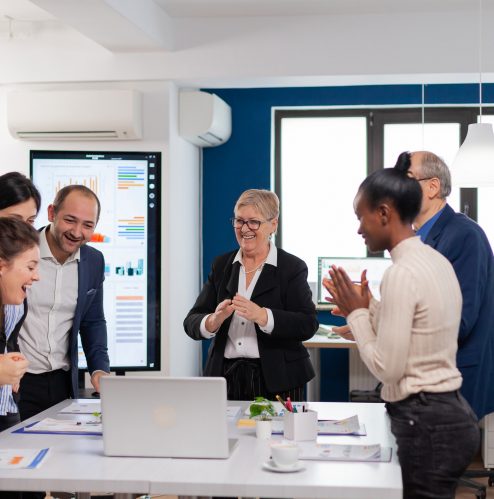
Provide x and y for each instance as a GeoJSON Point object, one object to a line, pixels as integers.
{"type": "Point", "coordinates": [272, 466]}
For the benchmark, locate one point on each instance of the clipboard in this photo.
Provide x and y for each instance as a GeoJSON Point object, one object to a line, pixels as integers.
{"type": "Point", "coordinates": [22, 430]}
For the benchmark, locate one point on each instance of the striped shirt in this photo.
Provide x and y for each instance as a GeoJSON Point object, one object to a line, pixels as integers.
{"type": "Point", "coordinates": [13, 314]}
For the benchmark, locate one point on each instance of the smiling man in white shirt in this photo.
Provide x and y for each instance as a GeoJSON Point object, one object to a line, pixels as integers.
{"type": "Point", "coordinates": [68, 301]}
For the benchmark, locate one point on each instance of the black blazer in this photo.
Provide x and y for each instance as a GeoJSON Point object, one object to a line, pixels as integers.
{"type": "Point", "coordinates": [284, 289]}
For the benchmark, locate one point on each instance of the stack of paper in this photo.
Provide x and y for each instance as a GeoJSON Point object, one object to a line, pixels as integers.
{"type": "Point", "coordinates": [83, 407]}
{"type": "Point", "coordinates": [64, 426]}
{"type": "Point", "coordinates": [338, 452]}
{"type": "Point", "coordinates": [348, 426]}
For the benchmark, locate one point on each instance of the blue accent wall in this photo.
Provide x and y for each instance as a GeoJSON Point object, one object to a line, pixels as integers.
{"type": "Point", "coordinates": [244, 162]}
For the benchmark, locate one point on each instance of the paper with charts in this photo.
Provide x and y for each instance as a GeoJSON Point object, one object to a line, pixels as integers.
{"type": "Point", "coordinates": [348, 426]}
{"type": "Point", "coordinates": [11, 459]}
{"type": "Point", "coordinates": [342, 452]}
{"type": "Point", "coordinates": [82, 407]}
{"type": "Point", "coordinates": [50, 425]}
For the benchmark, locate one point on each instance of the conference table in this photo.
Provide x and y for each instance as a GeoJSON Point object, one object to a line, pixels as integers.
{"type": "Point", "coordinates": [76, 463]}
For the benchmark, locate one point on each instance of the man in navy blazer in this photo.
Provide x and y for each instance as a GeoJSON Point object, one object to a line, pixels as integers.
{"type": "Point", "coordinates": [67, 302]}
{"type": "Point", "coordinates": [465, 245]}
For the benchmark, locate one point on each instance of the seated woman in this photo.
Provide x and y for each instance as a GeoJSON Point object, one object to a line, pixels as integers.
{"type": "Point", "coordinates": [19, 199]}
{"type": "Point", "coordinates": [408, 340]}
{"type": "Point", "coordinates": [257, 307]}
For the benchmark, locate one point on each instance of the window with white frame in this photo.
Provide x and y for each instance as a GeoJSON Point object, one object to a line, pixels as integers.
{"type": "Point", "coordinates": [322, 156]}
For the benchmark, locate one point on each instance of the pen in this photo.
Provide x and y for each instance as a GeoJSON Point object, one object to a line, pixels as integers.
{"type": "Point", "coordinates": [289, 405]}
{"type": "Point", "coordinates": [282, 402]}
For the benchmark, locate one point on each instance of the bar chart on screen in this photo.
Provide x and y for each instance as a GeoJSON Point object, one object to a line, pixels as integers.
{"type": "Point", "coordinates": [128, 234]}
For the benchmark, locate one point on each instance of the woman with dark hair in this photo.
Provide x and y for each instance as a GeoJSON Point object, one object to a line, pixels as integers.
{"type": "Point", "coordinates": [19, 199]}
{"type": "Point", "coordinates": [408, 340]}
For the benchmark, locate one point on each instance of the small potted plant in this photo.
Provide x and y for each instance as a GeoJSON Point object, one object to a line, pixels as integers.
{"type": "Point", "coordinates": [263, 411]}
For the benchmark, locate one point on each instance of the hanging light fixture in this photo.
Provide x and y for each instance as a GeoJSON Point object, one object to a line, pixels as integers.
{"type": "Point", "coordinates": [474, 162]}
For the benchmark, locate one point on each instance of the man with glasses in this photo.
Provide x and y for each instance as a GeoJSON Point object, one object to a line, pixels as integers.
{"type": "Point", "coordinates": [465, 245]}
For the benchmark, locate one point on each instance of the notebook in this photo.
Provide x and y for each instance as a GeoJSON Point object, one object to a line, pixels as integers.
{"type": "Point", "coordinates": [165, 417]}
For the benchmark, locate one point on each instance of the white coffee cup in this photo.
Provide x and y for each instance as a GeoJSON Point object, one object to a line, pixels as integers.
{"type": "Point", "coordinates": [285, 454]}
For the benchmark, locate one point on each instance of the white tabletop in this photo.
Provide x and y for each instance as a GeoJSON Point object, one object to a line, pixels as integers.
{"type": "Point", "coordinates": [77, 463]}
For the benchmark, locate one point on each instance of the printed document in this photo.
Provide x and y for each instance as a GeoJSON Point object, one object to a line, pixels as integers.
{"type": "Point", "coordinates": [342, 452]}
{"type": "Point", "coordinates": [50, 425]}
{"type": "Point", "coordinates": [11, 459]}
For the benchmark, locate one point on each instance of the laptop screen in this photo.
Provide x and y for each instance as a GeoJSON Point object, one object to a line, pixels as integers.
{"type": "Point", "coordinates": [354, 267]}
{"type": "Point", "coordinates": [164, 416]}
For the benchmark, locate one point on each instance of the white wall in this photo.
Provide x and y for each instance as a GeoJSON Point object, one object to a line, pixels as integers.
{"type": "Point", "coordinates": [180, 204]}
{"type": "Point", "coordinates": [183, 260]}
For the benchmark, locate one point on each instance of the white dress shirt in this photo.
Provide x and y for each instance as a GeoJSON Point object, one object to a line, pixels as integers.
{"type": "Point", "coordinates": [44, 337]}
{"type": "Point", "coordinates": [242, 337]}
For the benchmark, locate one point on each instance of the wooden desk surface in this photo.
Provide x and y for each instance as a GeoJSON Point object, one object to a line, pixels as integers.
{"type": "Point", "coordinates": [321, 341]}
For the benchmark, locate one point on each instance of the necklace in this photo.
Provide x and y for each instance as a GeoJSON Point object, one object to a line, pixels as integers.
{"type": "Point", "coordinates": [257, 268]}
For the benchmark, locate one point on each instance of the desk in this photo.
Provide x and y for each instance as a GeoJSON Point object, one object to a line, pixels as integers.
{"type": "Point", "coordinates": [360, 378]}
{"type": "Point", "coordinates": [77, 463]}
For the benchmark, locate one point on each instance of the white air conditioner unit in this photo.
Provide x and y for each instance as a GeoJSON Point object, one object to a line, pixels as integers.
{"type": "Point", "coordinates": [74, 114]}
{"type": "Point", "coordinates": [205, 119]}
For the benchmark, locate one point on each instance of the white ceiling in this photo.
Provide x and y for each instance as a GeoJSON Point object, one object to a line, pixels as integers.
{"type": "Point", "coordinates": [242, 42]}
{"type": "Point", "coordinates": [261, 8]}
{"type": "Point", "coordinates": [24, 10]}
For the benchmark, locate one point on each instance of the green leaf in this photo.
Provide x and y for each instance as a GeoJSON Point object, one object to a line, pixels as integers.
{"type": "Point", "coordinates": [262, 408]}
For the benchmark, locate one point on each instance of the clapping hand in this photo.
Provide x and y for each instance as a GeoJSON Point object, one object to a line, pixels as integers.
{"type": "Point", "coordinates": [345, 294]}
{"type": "Point", "coordinates": [249, 310]}
{"type": "Point", "coordinates": [222, 312]}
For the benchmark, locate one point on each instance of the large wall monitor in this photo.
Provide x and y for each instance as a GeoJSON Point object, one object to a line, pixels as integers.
{"type": "Point", "coordinates": [128, 234]}
{"type": "Point", "coordinates": [354, 267]}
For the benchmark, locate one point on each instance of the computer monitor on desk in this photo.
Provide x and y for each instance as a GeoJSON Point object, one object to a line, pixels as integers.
{"type": "Point", "coordinates": [354, 267]}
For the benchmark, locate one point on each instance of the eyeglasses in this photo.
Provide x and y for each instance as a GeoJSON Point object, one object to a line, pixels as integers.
{"type": "Point", "coordinates": [238, 223]}
{"type": "Point", "coordinates": [419, 179]}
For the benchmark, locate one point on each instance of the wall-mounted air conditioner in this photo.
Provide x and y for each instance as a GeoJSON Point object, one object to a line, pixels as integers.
{"type": "Point", "coordinates": [205, 119]}
{"type": "Point", "coordinates": [74, 114]}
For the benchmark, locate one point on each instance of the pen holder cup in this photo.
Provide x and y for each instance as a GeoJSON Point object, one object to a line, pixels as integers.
{"type": "Point", "coordinates": [300, 425]}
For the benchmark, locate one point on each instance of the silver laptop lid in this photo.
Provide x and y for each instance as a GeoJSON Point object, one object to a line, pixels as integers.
{"type": "Point", "coordinates": [164, 417]}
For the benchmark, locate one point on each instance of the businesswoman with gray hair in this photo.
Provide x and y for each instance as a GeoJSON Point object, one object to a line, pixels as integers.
{"type": "Point", "coordinates": [257, 308]}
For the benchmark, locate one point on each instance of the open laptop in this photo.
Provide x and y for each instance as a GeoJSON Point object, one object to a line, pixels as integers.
{"type": "Point", "coordinates": [165, 417]}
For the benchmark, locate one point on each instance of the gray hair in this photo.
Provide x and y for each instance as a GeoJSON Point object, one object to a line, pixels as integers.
{"type": "Point", "coordinates": [434, 166]}
{"type": "Point", "coordinates": [266, 202]}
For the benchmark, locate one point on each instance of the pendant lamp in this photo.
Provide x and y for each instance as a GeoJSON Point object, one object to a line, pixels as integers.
{"type": "Point", "coordinates": [474, 163]}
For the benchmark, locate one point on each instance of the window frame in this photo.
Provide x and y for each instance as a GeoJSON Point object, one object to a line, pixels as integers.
{"type": "Point", "coordinates": [377, 118]}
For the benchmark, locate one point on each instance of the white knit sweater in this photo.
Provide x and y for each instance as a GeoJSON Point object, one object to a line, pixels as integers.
{"type": "Point", "coordinates": [408, 340]}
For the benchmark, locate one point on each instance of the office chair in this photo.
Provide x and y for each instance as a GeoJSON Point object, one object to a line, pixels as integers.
{"type": "Point", "coordinates": [480, 490]}
{"type": "Point", "coordinates": [367, 395]}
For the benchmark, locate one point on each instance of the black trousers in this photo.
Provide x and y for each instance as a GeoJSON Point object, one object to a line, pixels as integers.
{"type": "Point", "coordinates": [8, 420]}
{"type": "Point", "coordinates": [41, 391]}
{"type": "Point", "coordinates": [245, 381]}
{"type": "Point", "coordinates": [437, 436]}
